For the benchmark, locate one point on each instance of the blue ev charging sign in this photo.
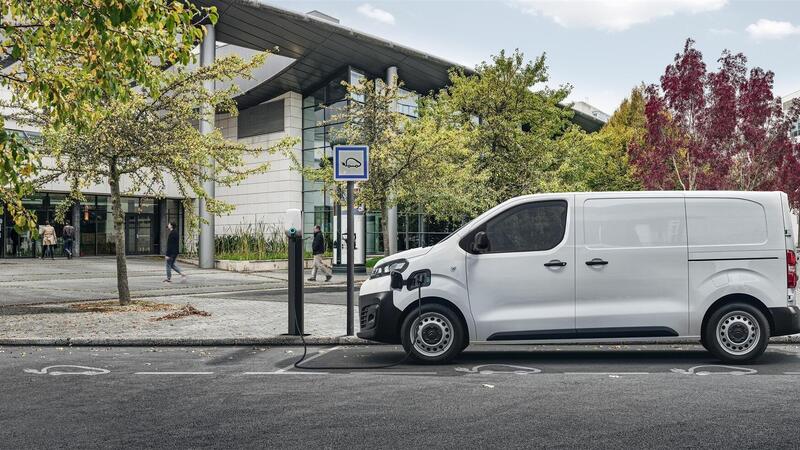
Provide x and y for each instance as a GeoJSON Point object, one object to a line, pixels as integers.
{"type": "Point", "coordinates": [351, 162]}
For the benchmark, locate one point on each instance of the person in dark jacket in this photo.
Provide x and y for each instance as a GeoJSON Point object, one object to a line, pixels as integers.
{"type": "Point", "coordinates": [318, 250]}
{"type": "Point", "coordinates": [173, 245]}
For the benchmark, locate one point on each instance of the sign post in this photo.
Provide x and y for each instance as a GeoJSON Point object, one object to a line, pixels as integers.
{"type": "Point", "coordinates": [350, 164]}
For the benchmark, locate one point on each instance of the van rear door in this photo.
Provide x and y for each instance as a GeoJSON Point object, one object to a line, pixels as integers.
{"type": "Point", "coordinates": [631, 265]}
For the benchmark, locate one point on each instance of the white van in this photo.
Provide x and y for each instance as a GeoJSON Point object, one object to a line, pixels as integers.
{"type": "Point", "coordinates": [715, 266]}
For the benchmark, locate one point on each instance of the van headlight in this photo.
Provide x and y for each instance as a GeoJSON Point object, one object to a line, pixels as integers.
{"type": "Point", "coordinates": [398, 265]}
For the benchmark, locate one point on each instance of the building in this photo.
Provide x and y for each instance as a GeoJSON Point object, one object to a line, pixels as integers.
{"type": "Point", "coordinates": [291, 95]}
{"type": "Point", "coordinates": [787, 103]}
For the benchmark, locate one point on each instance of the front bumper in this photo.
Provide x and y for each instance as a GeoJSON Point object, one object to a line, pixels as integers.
{"type": "Point", "coordinates": [786, 320]}
{"type": "Point", "coordinates": [379, 318]}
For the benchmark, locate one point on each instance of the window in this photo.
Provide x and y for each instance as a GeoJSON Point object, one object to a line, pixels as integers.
{"type": "Point", "coordinates": [530, 227]}
{"type": "Point", "coordinates": [634, 222]}
{"type": "Point", "coordinates": [725, 221]}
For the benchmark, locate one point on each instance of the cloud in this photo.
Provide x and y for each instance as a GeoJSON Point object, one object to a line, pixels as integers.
{"type": "Point", "coordinates": [377, 14]}
{"type": "Point", "coordinates": [613, 15]}
{"type": "Point", "coordinates": [771, 29]}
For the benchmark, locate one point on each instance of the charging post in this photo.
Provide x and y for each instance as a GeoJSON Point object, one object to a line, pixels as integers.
{"type": "Point", "coordinates": [350, 164]}
{"type": "Point", "coordinates": [294, 233]}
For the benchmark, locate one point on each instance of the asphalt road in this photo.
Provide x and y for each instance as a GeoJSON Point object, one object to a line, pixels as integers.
{"type": "Point", "coordinates": [532, 396]}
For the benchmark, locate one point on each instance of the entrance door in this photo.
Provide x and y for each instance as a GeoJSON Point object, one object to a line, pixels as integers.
{"type": "Point", "coordinates": [631, 266]}
{"type": "Point", "coordinates": [138, 234]}
{"type": "Point", "coordinates": [523, 286]}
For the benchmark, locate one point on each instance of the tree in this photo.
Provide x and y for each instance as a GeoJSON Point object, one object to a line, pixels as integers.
{"type": "Point", "coordinates": [141, 141]}
{"type": "Point", "coordinates": [599, 161]}
{"type": "Point", "coordinates": [716, 130]}
{"type": "Point", "coordinates": [423, 161]}
{"type": "Point", "coordinates": [518, 122]}
{"type": "Point", "coordinates": [71, 53]}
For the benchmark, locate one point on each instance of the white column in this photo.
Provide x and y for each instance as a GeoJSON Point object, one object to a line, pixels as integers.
{"type": "Point", "coordinates": [391, 216]}
{"type": "Point", "coordinates": [206, 247]}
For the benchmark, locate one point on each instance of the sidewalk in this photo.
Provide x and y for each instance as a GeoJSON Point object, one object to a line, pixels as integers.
{"type": "Point", "coordinates": [230, 322]}
{"type": "Point", "coordinates": [32, 281]}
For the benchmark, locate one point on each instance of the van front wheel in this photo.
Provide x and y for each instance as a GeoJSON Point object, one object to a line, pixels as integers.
{"type": "Point", "coordinates": [737, 333]}
{"type": "Point", "coordinates": [434, 334]}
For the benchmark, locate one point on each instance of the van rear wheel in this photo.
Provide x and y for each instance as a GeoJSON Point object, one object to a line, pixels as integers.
{"type": "Point", "coordinates": [736, 333]}
{"type": "Point", "coordinates": [433, 334]}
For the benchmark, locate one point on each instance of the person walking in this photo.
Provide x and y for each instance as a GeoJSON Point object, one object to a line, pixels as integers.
{"type": "Point", "coordinates": [49, 240]}
{"type": "Point", "coordinates": [68, 233]}
{"type": "Point", "coordinates": [173, 241]}
{"type": "Point", "coordinates": [318, 250]}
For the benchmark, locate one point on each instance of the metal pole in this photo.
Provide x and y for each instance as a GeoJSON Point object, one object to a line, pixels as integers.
{"type": "Point", "coordinates": [350, 257]}
{"type": "Point", "coordinates": [208, 49]}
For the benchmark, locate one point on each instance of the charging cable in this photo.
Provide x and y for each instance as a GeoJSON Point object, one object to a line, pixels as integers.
{"type": "Point", "coordinates": [419, 279]}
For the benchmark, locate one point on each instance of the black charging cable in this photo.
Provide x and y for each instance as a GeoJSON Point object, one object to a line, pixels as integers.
{"type": "Point", "coordinates": [419, 279]}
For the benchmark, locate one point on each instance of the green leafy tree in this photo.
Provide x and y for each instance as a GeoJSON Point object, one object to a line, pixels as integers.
{"type": "Point", "coordinates": [70, 54]}
{"type": "Point", "coordinates": [599, 161]}
{"type": "Point", "coordinates": [424, 161]}
{"type": "Point", "coordinates": [516, 120]}
{"type": "Point", "coordinates": [142, 141]}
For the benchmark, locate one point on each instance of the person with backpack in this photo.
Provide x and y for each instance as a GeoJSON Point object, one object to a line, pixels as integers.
{"type": "Point", "coordinates": [68, 233]}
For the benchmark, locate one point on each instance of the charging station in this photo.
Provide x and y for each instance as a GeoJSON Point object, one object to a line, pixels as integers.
{"type": "Point", "coordinates": [294, 232]}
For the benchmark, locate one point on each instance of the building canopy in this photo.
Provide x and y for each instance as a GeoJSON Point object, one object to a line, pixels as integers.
{"type": "Point", "coordinates": [319, 47]}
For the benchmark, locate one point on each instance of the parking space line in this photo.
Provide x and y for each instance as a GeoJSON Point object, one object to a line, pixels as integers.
{"type": "Point", "coordinates": [173, 373]}
{"type": "Point", "coordinates": [606, 373]}
{"type": "Point", "coordinates": [393, 373]}
{"type": "Point", "coordinates": [285, 373]}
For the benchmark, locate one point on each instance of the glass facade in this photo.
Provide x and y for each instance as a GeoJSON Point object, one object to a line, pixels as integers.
{"type": "Point", "coordinates": [143, 225]}
{"type": "Point", "coordinates": [320, 109]}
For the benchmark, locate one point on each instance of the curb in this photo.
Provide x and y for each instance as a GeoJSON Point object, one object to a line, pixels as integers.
{"type": "Point", "coordinates": [284, 341]}
{"type": "Point", "coordinates": [185, 342]}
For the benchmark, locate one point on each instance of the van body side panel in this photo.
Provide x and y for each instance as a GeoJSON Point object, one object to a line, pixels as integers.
{"type": "Point", "coordinates": [736, 246]}
{"type": "Point", "coordinates": [641, 241]}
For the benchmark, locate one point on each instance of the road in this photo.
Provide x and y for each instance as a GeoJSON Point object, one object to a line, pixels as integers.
{"type": "Point", "coordinates": [531, 396]}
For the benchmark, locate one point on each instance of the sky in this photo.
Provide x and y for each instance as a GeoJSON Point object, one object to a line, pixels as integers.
{"type": "Point", "coordinates": [602, 48]}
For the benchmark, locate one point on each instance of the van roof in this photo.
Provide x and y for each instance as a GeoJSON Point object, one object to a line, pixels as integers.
{"type": "Point", "coordinates": [732, 194]}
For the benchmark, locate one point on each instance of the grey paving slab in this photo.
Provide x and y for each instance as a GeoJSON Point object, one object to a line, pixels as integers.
{"type": "Point", "coordinates": [30, 281]}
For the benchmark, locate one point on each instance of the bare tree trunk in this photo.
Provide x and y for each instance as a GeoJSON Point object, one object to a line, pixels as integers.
{"type": "Point", "coordinates": [385, 228]}
{"type": "Point", "coordinates": [119, 235]}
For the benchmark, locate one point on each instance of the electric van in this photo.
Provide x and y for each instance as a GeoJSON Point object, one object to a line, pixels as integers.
{"type": "Point", "coordinates": [715, 266]}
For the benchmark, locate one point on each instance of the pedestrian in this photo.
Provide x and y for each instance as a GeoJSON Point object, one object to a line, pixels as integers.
{"type": "Point", "coordinates": [49, 240]}
{"type": "Point", "coordinates": [318, 250]}
{"type": "Point", "coordinates": [173, 241]}
{"type": "Point", "coordinates": [68, 233]}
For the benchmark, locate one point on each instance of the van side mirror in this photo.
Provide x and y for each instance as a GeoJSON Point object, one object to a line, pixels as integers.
{"type": "Point", "coordinates": [396, 281]}
{"type": "Point", "coordinates": [480, 242]}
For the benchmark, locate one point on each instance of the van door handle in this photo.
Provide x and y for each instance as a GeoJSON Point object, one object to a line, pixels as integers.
{"type": "Point", "coordinates": [555, 263]}
{"type": "Point", "coordinates": [596, 262]}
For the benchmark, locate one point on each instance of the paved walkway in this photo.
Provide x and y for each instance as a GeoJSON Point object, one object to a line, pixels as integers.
{"type": "Point", "coordinates": [31, 281]}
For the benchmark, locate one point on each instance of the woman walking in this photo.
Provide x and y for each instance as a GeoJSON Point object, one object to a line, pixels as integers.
{"type": "Point", "coordinates": [49, 240]}
{"type": "Point", "coordinates": [171, 254]}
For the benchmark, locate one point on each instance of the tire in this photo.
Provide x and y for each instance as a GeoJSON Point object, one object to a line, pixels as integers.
{"type": "Point", "coordinates": [736, 333]}
{"type": "Point", "coordinates": [441, 338]}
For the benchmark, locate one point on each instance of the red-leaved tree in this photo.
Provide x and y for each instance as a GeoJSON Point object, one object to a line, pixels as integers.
{"type": "Point", "coordinates": [717, 130]}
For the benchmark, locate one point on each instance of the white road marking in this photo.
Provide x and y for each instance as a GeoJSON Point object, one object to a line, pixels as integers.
{"type": "Point", "coordinates": [286, 373]}
{"type": "Point", "coordinates": [84, 370]}
{"type": "Point", "coordinates": [732, 370]}
{"type": "Point", "coordinates": [516, 370]}
{"type": "Point", "coordinates": [606, 373]}
{"type": "Point", "coordinates": [393, 373]}
{"type": "Point", "coordinates": [173, 373]}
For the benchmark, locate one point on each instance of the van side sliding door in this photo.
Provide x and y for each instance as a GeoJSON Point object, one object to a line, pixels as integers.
{"type": "Point", "coordinates": [631, 266]}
